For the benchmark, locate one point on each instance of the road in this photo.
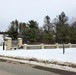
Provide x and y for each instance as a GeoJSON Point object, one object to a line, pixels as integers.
{"type": "Point", "coordinates": [15, 68]}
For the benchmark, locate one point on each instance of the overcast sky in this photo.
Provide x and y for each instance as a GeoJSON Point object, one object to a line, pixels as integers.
{"type": "Point", "coordinates": [26, 10]}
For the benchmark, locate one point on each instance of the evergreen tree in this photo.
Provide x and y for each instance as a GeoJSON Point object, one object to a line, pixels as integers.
{"type": "Point", "coordinates": [48, 26]}
{"type": "Point", "coordinates": [31, 33]}
{"type": "Point", "coordinates": [48, 30]}
{"type": "Point", "coordinates": [61, 28]}
{"type": "Point", "coordinates": [13, 30]}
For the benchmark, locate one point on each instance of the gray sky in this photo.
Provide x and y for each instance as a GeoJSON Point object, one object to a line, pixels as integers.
{"type": "Point", "coordinates": [26, 10]}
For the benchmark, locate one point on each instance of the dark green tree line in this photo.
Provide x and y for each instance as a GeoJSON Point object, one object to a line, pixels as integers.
{"type": "Point", "coordinates": [59, 31]}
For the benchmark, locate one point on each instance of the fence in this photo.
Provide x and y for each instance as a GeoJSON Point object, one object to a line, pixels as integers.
{"type": "Point", "coordinates": [42, 46]}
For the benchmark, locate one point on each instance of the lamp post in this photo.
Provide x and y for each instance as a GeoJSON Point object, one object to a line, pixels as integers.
{"type": "Point", "coordinates": [4, 42]}
{"type": "Point", "coordinates": [63, 49]}
{"type": "Point", "coordinates": [63, 46]}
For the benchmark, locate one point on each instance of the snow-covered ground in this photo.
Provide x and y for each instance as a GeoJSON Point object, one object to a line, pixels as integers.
{"type": "Point", "coordinates": [44, 54]}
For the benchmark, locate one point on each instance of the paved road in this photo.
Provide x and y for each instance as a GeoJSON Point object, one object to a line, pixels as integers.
{"type": "Point", "coordinates": [15, 68]}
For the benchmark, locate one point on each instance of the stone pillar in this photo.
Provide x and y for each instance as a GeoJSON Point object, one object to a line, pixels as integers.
{"type": "Point", "coordinates": [19, 42]}
{"type": "Point", "coordinates": [42, 46]}
{"type": "Point", "coordinates": [25, 46]}
{"type": "Point", "coordinates": [8, 43]}
{"type": "Point", "coordinates": [57, 46]}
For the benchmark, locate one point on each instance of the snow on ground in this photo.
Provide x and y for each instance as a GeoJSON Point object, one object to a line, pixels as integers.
{"type": "Point", "coordinates": [44, 54]}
